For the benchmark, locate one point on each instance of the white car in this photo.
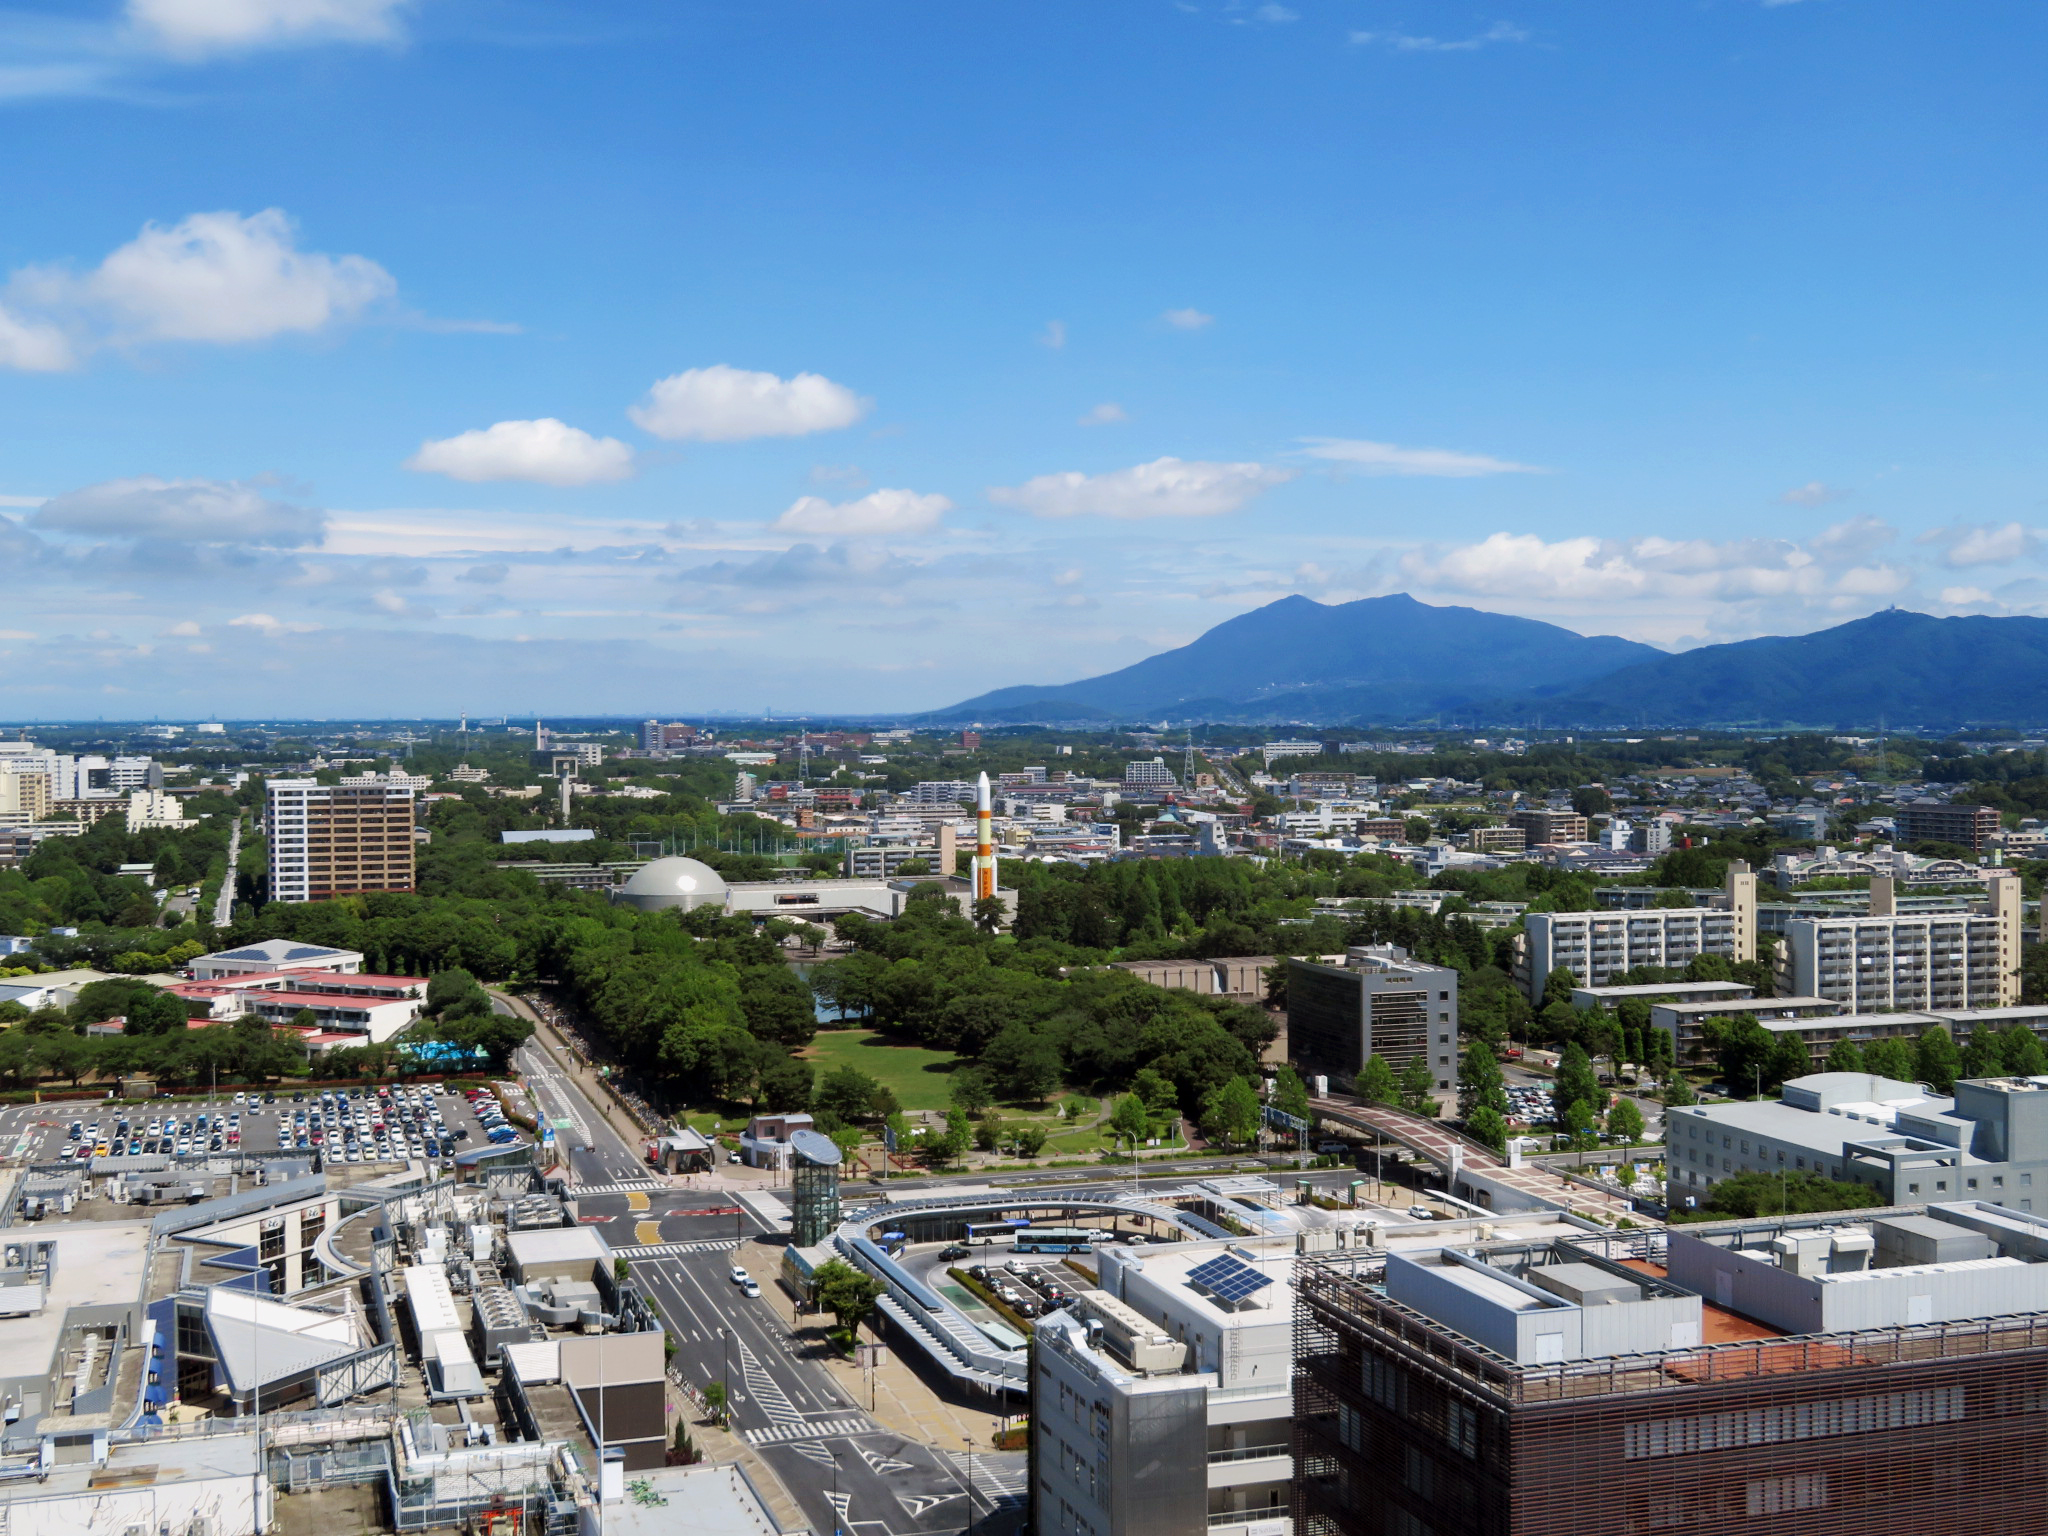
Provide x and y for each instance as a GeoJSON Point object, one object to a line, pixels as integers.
{"type": "Point", "coordinates": [739, 1275]}
{"type": "Point", "coordinates": [750, 1288]}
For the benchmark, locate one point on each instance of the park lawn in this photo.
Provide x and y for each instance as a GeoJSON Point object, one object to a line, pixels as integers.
{"type": "Point", "coordinates": [920, 1078]}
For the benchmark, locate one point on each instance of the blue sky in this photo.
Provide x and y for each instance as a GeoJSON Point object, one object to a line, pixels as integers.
{"type": "Point", "coordinates": [686, 357]}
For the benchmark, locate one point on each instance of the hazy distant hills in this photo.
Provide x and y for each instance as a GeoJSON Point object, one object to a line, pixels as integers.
{"type": "Point", "coordinates": [1378, 658]}
{"type": "Point", "coordinates": [1905, 668]}
{"type": "Point", "coordinates": [1395, 659]}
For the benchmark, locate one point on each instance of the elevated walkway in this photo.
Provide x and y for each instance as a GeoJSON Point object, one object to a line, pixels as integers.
{"type": "Point", "coordinates": [1471, 1170]}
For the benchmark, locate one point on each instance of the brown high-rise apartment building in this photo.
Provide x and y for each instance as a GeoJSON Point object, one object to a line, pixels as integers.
{"type": "Point", "coordinates": [337, 839]}
{"type": "Point", "coordinates": [1551, 826]}
{"type": "Point", "coordinates": [1924, 821]}
{"type": "Point", "coordinates": [1797, 1376]}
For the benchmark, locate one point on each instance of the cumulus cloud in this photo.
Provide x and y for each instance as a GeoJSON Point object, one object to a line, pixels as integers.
{"type": "Point", "coordinates": [878, 513]}
{"type": "Point", "coordinates": [1389, 459]}
{"type": "Point", "coordinates": [1968, 544]}
{"type": "Point", "coordinates": [34, 346]}
{"type": "Point", "coordinates": [196, 28]}
{"type": "Point", "coordinates": [1187, 319]}
{"type": "Point", "coordinates": [1103, 415]}
{"type": "Point", "coordinates": [183, 512]}
{"type": "Point", "coordinates": [1166, 487]}
{"type": "Point", "coordinates": [1509, 565]}
{"type": "Point", "coordinates": [546, 452]}
{"type": "Point", "coordinates": [726, 405]}
{"type": "Point", "coordinates": [1408, 42]}
{"type": "Point", "coordinates": [1814, 493]}
{"type": "Point", "coordinates": [216, 277]}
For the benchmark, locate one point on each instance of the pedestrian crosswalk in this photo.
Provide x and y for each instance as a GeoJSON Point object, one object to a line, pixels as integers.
{"type": "Point", "coordinates": [779, 1434]}
{"type": "Point", "coordinates": [672, 1250]}
{"type": "Point", "coordinates": [623, 1186]}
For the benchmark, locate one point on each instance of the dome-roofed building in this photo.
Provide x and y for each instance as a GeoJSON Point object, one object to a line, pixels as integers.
{"type": "Point", "coordinates": [677, 882]}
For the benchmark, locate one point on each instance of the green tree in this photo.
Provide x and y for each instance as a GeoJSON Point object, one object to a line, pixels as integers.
{"type": "Point", "coordinates": [1757, 1193]}
{"type": "Point", "coordinates": [1488, 1125]}
{"type": "Point", "coordinates": [1936, 1059]}
{"type": "Point", "coordinates": [715, 1400]}
{"type": "Point", "coordinates": [1558, 985]}
{"type": "Point", "coordinates": [1290, 1093]}
{"type": "Point", "coordinates": [1029, 1140]}
{"type": "Point", "coordinates": [1892, 1058]}
{"type": "Point", "coordinates": [1376, 1083]}
{"type": "Point", "coordinates": [1580, 1124]}
{"type": "Point", "coordinates": [2023, 1054]}
{"type": "Point", "coordinates": [1129, 1119]}
{"type": "Point", "coordinates": [1231, 1113]}
{"type": "Point", "coordinates": [1480, 1083]}
{"type": "Point", "coordinates": [847, 1092]}
{"type": "Point", "coordinates": [988, 1132]}
{"type": "Point", "coordinates": [1625, 1122]}
{"type": "Point", "coordinates": [1576, 1081]}
{"type": "Point", "coordinates": [1845, 1055]}
{"type": "Point", "coordinates": [1678, 1092]}
{"type": "Point", "coordinates": [971, 1089]}
{"type": "Point", "coordinates": [1417, 1087]}
{"type": "Point", "coordinates": [1156, 1090]}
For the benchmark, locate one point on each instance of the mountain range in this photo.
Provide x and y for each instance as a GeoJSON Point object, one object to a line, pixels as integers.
{"type": "Point", "coordinates": [1394, 659]}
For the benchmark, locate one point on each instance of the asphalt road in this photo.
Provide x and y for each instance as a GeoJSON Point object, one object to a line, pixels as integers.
{"type": "Point", "coordinates": [224, 905]}
{"type": "Point", "coordinates": [842, 1468]}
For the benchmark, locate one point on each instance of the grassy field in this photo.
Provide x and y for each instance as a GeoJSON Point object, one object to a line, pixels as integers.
{"type": "Point", "coordinates": [919, 1078]}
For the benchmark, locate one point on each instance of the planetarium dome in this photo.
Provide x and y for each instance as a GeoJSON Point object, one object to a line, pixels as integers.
{"type": "Point", "coordinates": [681, 883]}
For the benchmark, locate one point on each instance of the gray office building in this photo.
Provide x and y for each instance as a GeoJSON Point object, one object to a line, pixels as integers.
{"type": "Point", "coordinates": [1378, 1003]}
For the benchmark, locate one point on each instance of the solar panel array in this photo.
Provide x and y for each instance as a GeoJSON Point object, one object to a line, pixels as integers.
{"type": "Point", "coordinates": [1228, 1279]}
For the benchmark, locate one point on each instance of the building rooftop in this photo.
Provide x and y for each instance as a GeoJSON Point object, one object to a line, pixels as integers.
{"type": "Point", "coordinates": [98, 1264]}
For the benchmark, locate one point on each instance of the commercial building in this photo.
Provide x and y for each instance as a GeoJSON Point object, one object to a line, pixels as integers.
{"type": "Point", "coordinates": [1596, 947]}
{"type": "Point", "coordinates": [336, 840]}
{"type": "Point", "coordinates": [1921, 961]}
{"type": "Point", "coordinates": [1551, 826]}
{"type": "Point", "coordinates": [1806, 1376]}
{"type": "Point", "coordinates": [1160, 1403]}
{"type": "Point", "coordinates": [275, 956]}
{"type": "Point", "coordinates": [1927, 821]}
{"type": "Point", "coordinates": [1378, 1003]}
{"type": "Point", "coordinates": [1908, 1143]}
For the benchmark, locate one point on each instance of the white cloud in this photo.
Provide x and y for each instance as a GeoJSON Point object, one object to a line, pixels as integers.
{"type": "Point", "coordinates": [726, 405]}
{"type": "Point", "coordinates": [216, 277]}
{"type": "Point", "coordinates": [1163, 488]}
{"type": "Point", "coordinates": [1966, 597]}
{"type": "Point", "coordinates": [879, 513]}
{"type": "Point", "coordinates": [1104, 414]}
{"type": "Point", "coordinates": [270, 625]}
{"type": "Point", "coordinates": [1407, 42]}
{"type": "Point", "coordinates": [546, 452]}
{"type": "Point", "coordinates": [1968, 544]}
{"type": "Point", "coordinates": [184, 628]}
{"type": "Point", "coordinates": [1814, 493]}
{"type": "Point", "coordinates": [1275, 15]}
{"type": "Point", "coordinates": [1187, 319]}
{"type": "Point", "coordinates": [182, 512]}
{"type": "Point", "coordinates": [195, 28]}
{"type": "Point", "coordinates": [1054, 335]}
{"type": "Point", "coordinates": [1389, 459]}
{"type": "Point", "coordinates": [34, 346]}
{"type": "Point", "coordinates": [1836, 564]}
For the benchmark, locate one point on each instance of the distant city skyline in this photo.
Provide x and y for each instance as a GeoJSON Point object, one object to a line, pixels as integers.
{"type": "Point", "coordinates": [395, 358]}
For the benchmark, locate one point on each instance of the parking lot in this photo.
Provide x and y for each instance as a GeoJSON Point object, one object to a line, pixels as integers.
{"type": "Point", "coordinates": [355, 1125]}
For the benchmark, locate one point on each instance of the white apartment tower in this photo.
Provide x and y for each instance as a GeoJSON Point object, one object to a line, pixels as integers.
{"type": "Point", "coordinates": [1890, 962]}
{"type": "Point", "coordinates": [1596, 947]}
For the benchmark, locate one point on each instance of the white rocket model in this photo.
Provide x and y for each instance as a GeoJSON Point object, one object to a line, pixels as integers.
{"type": "Point", "coordinates": [984, 871]}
